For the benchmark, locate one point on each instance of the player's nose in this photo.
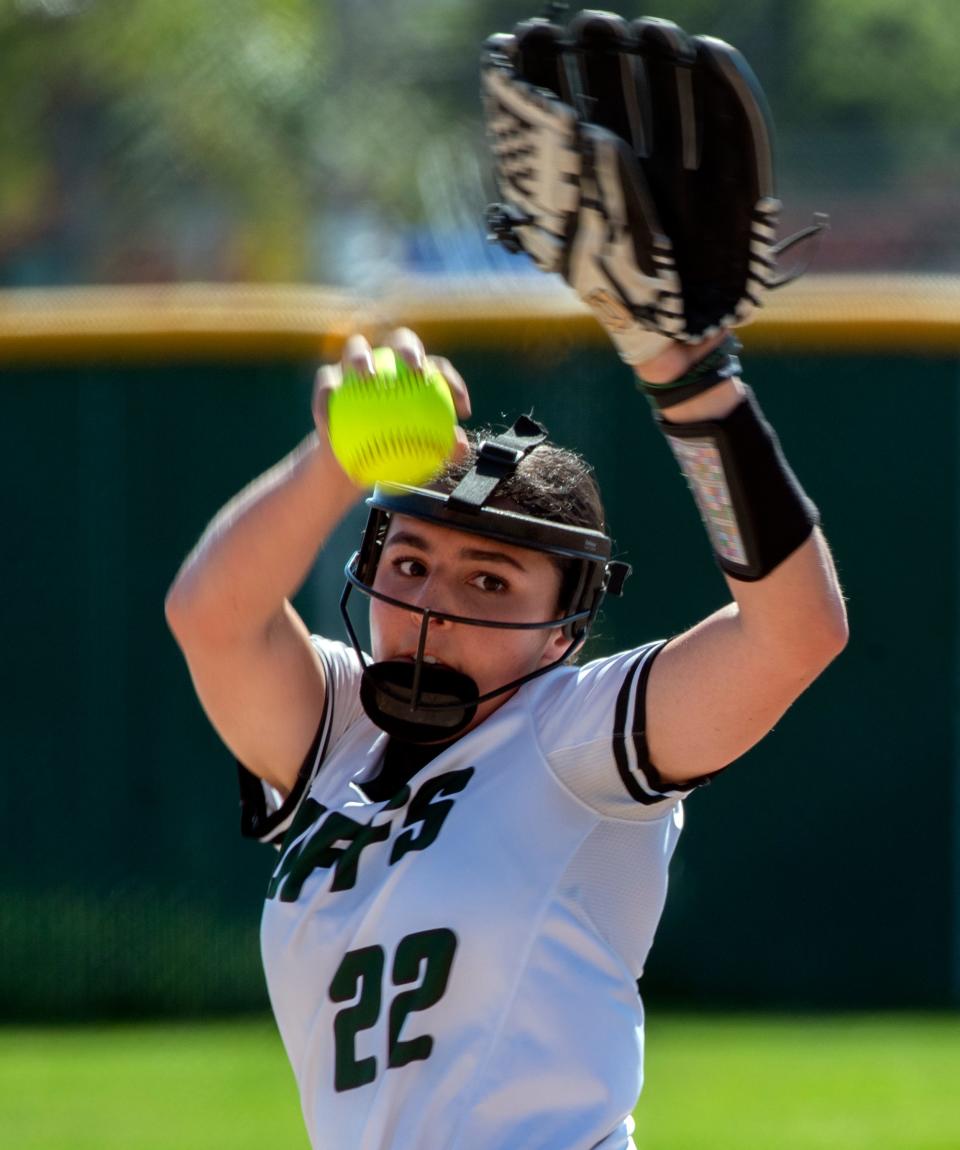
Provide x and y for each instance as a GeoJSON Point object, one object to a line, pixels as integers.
{"type": "Point", "coordinates": [435, 596]}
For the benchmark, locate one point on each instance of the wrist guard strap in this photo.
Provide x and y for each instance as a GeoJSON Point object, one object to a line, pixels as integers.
{"type": "Point", "coordinates": [722, 363]}
{"type": "Point", "coordinates": [755, 511]}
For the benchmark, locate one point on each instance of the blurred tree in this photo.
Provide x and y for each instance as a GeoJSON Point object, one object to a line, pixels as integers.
{"type": "Point", "coordinates": [171, 139]}
{"type": "Point", "coordinates": [889, 62]}
{"type": "Point", "coordinates": [124, 110]}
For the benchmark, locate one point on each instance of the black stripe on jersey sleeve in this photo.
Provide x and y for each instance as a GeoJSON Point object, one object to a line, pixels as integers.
{"type": "Point", "coordinates": [255, 821]}
{"type": "Point", "coordinates": [639, 776]}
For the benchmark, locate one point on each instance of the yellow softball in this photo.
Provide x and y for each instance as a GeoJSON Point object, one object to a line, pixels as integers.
{"type": "Point", "coordinates": [396, 426]}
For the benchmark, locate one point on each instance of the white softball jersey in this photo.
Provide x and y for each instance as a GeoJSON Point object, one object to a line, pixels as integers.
{"type": "Point", "coordinates": [455, 967]}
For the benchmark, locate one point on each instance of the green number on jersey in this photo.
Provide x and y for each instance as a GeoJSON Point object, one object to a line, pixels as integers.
{"type": "Point", "coordinates": [435, 948]}
{"type": "Point", "coordinates": [360, 976]}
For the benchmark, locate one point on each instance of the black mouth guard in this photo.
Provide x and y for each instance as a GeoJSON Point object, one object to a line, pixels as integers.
{"type": "Point", "coordinates": [436, 708]}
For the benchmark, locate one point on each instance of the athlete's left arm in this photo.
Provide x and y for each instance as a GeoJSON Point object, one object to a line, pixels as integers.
{"type": "Point", "coordinates": [717, 689]}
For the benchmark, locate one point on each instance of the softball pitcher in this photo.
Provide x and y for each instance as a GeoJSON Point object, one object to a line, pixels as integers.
{"type": "Point", "coordinates": [474, 829]}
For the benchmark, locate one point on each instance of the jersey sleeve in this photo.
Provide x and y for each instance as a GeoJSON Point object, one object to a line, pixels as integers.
{"type": "Point", "coordinates": [591, 724]}
{"type": "Point", "coordinates": [265, 814]}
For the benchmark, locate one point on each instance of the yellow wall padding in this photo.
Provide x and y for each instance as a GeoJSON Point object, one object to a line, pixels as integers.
{"type": "Point", "coordinates": [175, 322]}
{"type": "Point", "coordinates": [880, 313]}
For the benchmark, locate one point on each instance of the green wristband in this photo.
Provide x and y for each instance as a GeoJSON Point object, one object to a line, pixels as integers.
{"type": "Point", "coordinates": [721, 364]}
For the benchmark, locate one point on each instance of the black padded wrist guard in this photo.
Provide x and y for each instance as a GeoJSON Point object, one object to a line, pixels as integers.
{"type": "Point", "coordinates": [755, 511]}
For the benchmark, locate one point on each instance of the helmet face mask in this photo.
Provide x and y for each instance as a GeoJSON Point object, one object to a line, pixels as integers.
{"type": "Point", "coordinates": [424, 703]}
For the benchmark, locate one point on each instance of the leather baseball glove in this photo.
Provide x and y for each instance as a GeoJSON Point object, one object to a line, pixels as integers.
{"type": "Point", "coordinates": [636, 161]}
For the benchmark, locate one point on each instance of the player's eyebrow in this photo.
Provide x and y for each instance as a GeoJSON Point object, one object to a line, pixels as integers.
{"type": "Point", "coordinates": [407, 539]}
{"type": "Point", "coordinates": [477, 554]}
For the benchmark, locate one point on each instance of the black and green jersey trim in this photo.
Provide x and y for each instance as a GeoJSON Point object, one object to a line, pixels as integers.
{"type": "Point", "coordinates": [256, 821]}
{"type": "Point", "coordinates": [639, 776]}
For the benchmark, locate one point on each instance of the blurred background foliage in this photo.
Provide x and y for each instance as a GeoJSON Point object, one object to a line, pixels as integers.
{"type": "Point", "coordinates": [339, 141]}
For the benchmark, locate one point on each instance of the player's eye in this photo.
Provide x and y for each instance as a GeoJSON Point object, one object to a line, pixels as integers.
{"type": "Point", "coordinates": [490, 584]}
{"type": "Point", "coordinates": [411, 568]}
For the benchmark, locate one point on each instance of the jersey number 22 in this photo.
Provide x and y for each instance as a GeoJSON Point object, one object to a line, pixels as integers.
{"type": "Point", "coordinates": [360, 976]}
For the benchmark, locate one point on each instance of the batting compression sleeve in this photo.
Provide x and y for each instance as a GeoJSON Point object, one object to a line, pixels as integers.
{"type": "Point", "coordinates": [755, 511]}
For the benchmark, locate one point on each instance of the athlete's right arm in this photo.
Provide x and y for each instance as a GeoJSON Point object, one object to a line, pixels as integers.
{"type": "Point", "coordinates": [256, 673]}
{"type": "Point", "coordinates": [258, 677]}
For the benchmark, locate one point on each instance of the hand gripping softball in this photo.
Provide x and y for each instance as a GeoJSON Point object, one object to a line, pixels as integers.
{"type": "Point", "coordinates": [635, 161]}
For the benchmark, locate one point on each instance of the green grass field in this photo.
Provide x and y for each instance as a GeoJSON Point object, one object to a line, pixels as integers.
{"type": "Point", "coordinates": [725, 1083]}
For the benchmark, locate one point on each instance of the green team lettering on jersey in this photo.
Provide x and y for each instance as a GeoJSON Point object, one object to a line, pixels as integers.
{"type": "Point", "coordinates": [339, 841]}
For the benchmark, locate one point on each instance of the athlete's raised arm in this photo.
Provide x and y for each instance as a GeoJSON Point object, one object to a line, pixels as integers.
{"type": "Point", "coordinates": [255, 671]}
{"type": "Point", "coordinates": [637, 162]}
{"type": "Point", "coordinates": [718, 688]}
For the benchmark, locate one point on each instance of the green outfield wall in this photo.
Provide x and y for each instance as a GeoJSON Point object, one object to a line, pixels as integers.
{"type": "Point", "coordinates": [820, 871]}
